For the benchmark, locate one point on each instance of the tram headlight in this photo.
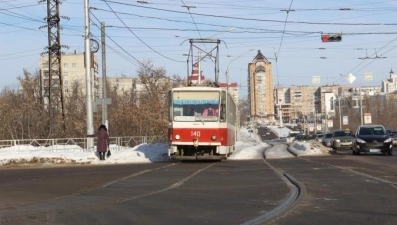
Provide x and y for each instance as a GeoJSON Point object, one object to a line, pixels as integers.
{"type": "Point", "coordinates": [177, 137]}
{"type": "Point", "coordinates": [213, 137]}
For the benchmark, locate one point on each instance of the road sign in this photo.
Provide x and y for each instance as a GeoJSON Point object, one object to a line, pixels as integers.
{"type": "Point", "coordinates": [101, 101]}
{"type": "Point", "coordinates": [316, 80]}
{"type": "Point", "coordinates": [345, 120]}
{"type": "Point", "coordinates": [350, 78]}
{"type": "Point", "coordinates": [367, 118]}
{"type": "Point", "coordinates": [368, 76]}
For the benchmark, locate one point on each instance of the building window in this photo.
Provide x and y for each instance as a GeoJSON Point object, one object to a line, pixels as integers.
{"type": "Point", "coordinates": [298, 94]}
{"type": "Point", "coordinates": [65, 74]}
{"type": "Point", "coordinates": [73, 64]}
{"type": "Point", "coordinates": [74, 73]}
{"type": "Point", "coordinates": [66, 82]}
{"type": "Point", "coordinates": [65, 65]}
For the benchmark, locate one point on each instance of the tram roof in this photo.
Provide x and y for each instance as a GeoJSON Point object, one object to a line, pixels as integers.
{"type": "Point", "coordinates": [197, 88]}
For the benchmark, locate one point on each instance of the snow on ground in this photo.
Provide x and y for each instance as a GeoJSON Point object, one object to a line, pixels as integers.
{"type": "Point", "coordinates": [248, 146]}
{"type": "Point", "coordinates": [281, 131]}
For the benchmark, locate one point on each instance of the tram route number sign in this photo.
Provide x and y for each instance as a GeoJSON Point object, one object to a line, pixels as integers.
{"type": "Point", "coordinates": [195, 133]}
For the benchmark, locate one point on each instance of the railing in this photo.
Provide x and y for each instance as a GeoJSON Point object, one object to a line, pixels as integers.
{"type": "Point", "coordinates": [77, 144]}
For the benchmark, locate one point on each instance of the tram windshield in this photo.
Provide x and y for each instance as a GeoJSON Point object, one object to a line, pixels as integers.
{"type": "Point", "coordinates": [195, 106]}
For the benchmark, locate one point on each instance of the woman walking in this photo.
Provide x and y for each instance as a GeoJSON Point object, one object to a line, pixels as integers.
{"type": "Point", "coordinates": [102, 143]}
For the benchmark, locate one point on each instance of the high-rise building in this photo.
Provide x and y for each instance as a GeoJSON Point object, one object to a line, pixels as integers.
{"type": "Point", "coordinates": [260, 89]}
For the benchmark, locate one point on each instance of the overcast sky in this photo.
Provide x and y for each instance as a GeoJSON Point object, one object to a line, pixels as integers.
{"type": "Point", "coordinates": [158, 30]}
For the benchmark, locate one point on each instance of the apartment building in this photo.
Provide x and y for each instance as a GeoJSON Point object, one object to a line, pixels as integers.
{"type": "Point", "coordinates": [73, 74]}
{"type": "Point", "coordinates": [260, 89]}
{"type": "Point", "coordinates": [297, 102]}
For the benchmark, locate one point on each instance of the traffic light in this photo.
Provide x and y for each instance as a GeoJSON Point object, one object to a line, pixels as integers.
{"type": "Point", "coordinates": [331, 37]}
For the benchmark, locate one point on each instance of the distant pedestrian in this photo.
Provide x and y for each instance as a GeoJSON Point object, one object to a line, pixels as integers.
{"type": "Point", "coordinates": [102, 144]}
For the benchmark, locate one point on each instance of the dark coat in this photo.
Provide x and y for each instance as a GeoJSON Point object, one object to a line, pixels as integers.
{"type": "Point", "coordinates": [102, 142]}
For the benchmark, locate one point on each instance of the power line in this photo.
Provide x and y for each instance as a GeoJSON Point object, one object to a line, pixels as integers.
{"type": "Point", "coordinates": [259, 20]}
{"type": "Point", "coordinates": [139, 62]}
{"type": "Point", "coordinates": [281, 41]}
{"type": "Point", "coordinates": [137, 36]}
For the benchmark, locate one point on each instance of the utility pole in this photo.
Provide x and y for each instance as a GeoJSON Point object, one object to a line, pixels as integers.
{"type": "Point", "coordinates": [104, 105]}
{"type": "Point", "coordinates": [315, 121]}
{"type": "Point", "coordinates": [361, 106]}
{"type": "Point", "coordinates": [340, 116]}
{"type": "Point", "coordinates": [199, 67]}
{"type": "Point", "coordinates": [88, 93]}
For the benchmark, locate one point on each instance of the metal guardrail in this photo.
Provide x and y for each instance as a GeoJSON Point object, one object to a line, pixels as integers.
{"type": "Point", "coordinates": [77, 144]}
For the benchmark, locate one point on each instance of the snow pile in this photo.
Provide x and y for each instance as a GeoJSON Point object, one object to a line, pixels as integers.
{"type": "Point", "coordinates": [309, 148]}
{"type": "Point", "coordinates": [247, 147]}
{"type": "Point", "coordinates": [30, 155]}
{"type": "Point", "coordinates": [246, 152]}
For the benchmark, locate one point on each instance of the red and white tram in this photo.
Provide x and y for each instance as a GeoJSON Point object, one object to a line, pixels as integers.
{"type": "Point", "coordinates": [202, 123]}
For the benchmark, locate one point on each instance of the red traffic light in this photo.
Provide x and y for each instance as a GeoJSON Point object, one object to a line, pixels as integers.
{"type": "Point", "coordinates": [331, 37]}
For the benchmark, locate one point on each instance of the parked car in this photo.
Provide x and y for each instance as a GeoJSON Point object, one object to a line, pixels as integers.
{"type": "Point", "coordinates": [394, 139]}
{"type": "Point", "coordinates": [393, 135]}
{"type": "Point", "coordinates": [319, 137]}
{"type": "Point", "coordinates": [342, 139]}
{"type": "Point", "coordinates": [372, 138]}
{"type": "Point", "coordinates": [327, 139]}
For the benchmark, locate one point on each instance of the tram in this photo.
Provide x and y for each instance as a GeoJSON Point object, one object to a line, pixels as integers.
{"type": "Point", "coordinates": [202, 123]}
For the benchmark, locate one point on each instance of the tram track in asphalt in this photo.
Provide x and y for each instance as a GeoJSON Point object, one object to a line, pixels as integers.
{"type": "Point", "coordinates": [296, 194]}
{"type": "Point", "coordinates": [298, 190]}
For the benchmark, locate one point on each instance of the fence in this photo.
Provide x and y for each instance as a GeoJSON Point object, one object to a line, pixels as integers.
{"type": "Point", "coordinates": [77, 144]}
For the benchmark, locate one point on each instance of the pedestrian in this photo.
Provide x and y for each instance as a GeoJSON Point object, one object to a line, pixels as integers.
{"type": "Point", "coordinates": [102, 144]}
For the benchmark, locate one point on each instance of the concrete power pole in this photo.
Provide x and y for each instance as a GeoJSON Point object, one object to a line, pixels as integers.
{"type": "Point", "coordinates": [104, 105]}
{"type": "Point", "coordinates": [88, 93]}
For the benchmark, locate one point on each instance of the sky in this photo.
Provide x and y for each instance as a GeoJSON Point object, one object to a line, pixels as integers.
{"type": "Point", "coordinates": [287, 32]}
{"type": "Point", "coordinates": [248, 148]}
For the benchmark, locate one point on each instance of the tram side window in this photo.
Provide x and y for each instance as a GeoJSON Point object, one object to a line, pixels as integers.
{"type": "Point", "coordinates": [223, 107]}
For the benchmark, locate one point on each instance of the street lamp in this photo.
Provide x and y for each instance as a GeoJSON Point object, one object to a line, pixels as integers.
{"type": "Point", "coordinates": [227, 68]}
{"type": "Point", "coordinates": [226, 31]}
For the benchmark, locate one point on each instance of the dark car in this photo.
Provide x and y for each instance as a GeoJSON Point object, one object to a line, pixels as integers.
{"type": "Point", "coordinates": [372, 138]}
{"type": "Point", "coordinates": [342, 139]}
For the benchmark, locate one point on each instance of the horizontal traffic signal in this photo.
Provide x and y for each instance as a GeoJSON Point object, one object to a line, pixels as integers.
{"type": "Point", "coordinates": [331, 37]}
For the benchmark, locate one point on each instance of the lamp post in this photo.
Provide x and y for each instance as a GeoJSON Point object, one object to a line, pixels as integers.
{"type": "Point", "coordinates": [281, 114]}
{"type": "Point", "coordinates": [227, 68]}
{"type": "Point", "coordinates": [226, 31]}
{"type": "Point", "coordinates": [340, 116]}
{"type": "Point", "coordinates": [361, 106]}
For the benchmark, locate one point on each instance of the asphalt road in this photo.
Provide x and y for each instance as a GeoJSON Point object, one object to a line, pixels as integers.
{"type": "Point", "coordinates": [230, 192]}
{"type": "Point", "coordinates": [340, 189]}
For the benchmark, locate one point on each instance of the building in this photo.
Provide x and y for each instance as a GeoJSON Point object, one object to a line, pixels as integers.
{"type": "Point", "coordinates": [390, 85]}
{"type": "Point", "coordinates": [260, 89]}
{"type": "Point", "coordinates": [197, 76]}
{"type": "Point", "coordinates": [73, 74]}
{"type": "Point", "coordinates": [233, 90]}
{"type": "Point", "coordinates": [308, 102]}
